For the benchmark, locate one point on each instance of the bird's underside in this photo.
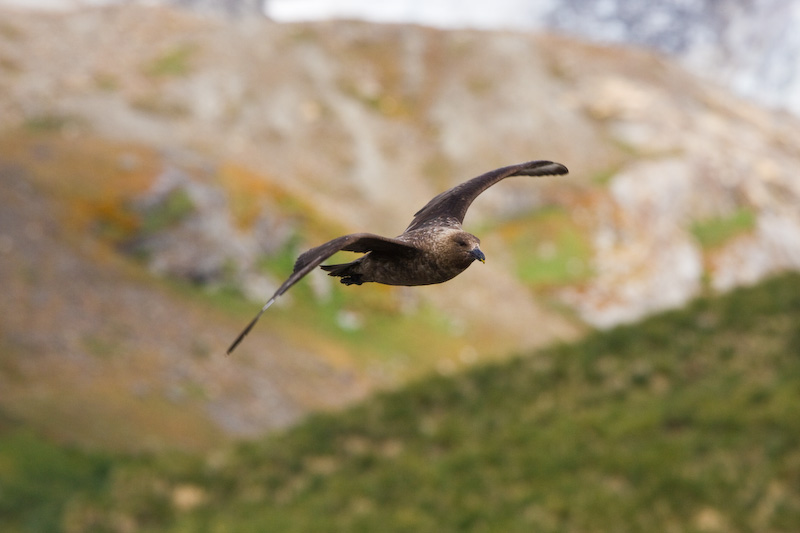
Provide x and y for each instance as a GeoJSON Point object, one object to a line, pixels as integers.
{"type": "Point", "coordinates": [417, 267]}
{"type": "Point", "coordinates": [433, 249]}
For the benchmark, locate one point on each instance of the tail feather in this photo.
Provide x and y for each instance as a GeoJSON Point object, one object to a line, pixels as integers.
{"type": "Point", "coordinates": [347, 271]}
{"type": "Point", "coordinates": [340, 270]}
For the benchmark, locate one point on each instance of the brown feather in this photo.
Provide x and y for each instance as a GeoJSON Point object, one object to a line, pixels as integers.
{"type": "Point", "coordinates": [433, 249]}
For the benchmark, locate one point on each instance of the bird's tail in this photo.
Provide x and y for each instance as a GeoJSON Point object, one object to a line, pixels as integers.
{"type": "Point", "coordinates": [347, 271]}
{"type": "Point", "coordinates": [341, 270]}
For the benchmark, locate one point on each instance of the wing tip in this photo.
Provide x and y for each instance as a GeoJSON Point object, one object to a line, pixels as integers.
{"type": "Point", "coordinates": [239, 339]}
{"type": "Point", "coordinates": [543, 168]}
{"type": "Point", "coordinates": [246, 330]}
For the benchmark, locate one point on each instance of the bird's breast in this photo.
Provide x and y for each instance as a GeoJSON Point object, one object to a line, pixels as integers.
{"type": "Point", "coordinates": [421, 269]}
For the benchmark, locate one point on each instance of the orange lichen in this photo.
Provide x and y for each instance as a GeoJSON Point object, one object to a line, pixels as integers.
{"type": "Point", "coordinates": [95, 179]}
{"type": "Point", "coordinates": [247, 192]}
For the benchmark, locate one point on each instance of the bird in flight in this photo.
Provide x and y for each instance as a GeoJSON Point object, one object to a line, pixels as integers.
{"type": "Point", "coordinates": [433, 249]}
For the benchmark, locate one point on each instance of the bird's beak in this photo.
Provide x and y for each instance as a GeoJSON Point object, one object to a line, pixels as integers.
{"type": "Point", "coordinates": [477, 254]}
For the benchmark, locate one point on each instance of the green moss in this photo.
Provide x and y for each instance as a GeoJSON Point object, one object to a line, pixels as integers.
{"type": "Point", "coordinates": [175, 62]}
{"type": "Point", "coordinates": [155, 104]}
{"type": "Point", "coordinates": [604, 176]}
{"type": "Point", "coordinates": [173, 208]}
{"type": "Point", "coordinates": [47, 123]}
{"type": "Point", "coordinates": [106, 82]}
{"type": "Point", "coordinates": [100, 346]}
{"type": "Point", "coordinates": [10, 32]}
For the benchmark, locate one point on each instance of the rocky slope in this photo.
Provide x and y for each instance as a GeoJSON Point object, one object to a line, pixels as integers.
{"type": "Point", "coordinates": [252, 140]}
{"type": "Point", "coordinates": [94, 352]}
{"type": "Point", "coordinates": [750, 47]}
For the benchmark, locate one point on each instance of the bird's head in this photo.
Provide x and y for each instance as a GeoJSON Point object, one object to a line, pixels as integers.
{"type": "Point", "coordinates": [466, 247]}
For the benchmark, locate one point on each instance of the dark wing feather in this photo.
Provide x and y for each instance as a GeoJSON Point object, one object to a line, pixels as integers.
{"type": "Point", "coordinates": [355, 242]}
{"type": "Point", "coordinates": [451, 205]}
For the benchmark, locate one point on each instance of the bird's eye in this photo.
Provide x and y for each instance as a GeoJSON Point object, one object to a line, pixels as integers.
{"type": "Point", "coordinates": [461, 242]}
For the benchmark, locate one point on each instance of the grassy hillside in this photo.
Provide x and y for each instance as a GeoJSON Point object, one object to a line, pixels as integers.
{"type": "Point", "coordinates": [685, 422]}
{"type": "Point", "coordinates": [213, 152]}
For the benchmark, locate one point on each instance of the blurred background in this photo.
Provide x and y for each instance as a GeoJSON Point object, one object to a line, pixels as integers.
{"type": "Point", "coordinates": [163, 163]}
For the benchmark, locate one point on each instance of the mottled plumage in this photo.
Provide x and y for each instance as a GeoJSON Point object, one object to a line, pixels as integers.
{"type": "Point", "coordinates": [433, 249]}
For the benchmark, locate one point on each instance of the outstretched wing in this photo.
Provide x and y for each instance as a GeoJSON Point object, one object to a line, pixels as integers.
{"type": "Point", "coordinates": [355, 242]}
{"type": "Point", "coordinates": [450, 206]}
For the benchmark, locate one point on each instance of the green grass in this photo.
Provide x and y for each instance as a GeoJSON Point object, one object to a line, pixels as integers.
{"type": "Point", "coordinates": [687, 421]}
{"type": "Point", "coordinates": [716, 231]}
{"type": "Point", "coordinates": [281, 262]}
{"type": "Point", "coordinates": [549, 248]}
{"type": "Point", "coordinates": [38, 479]}
{"type": "Point", "coordinates": [378, 340]}
{"type": "Point", "coordinates": [378, 337]}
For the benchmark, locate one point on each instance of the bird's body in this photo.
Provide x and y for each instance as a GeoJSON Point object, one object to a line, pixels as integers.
{"type": "Point", "coordinates": [433, 249]}
{"type": "Point", "coordinates": [428, 263]}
